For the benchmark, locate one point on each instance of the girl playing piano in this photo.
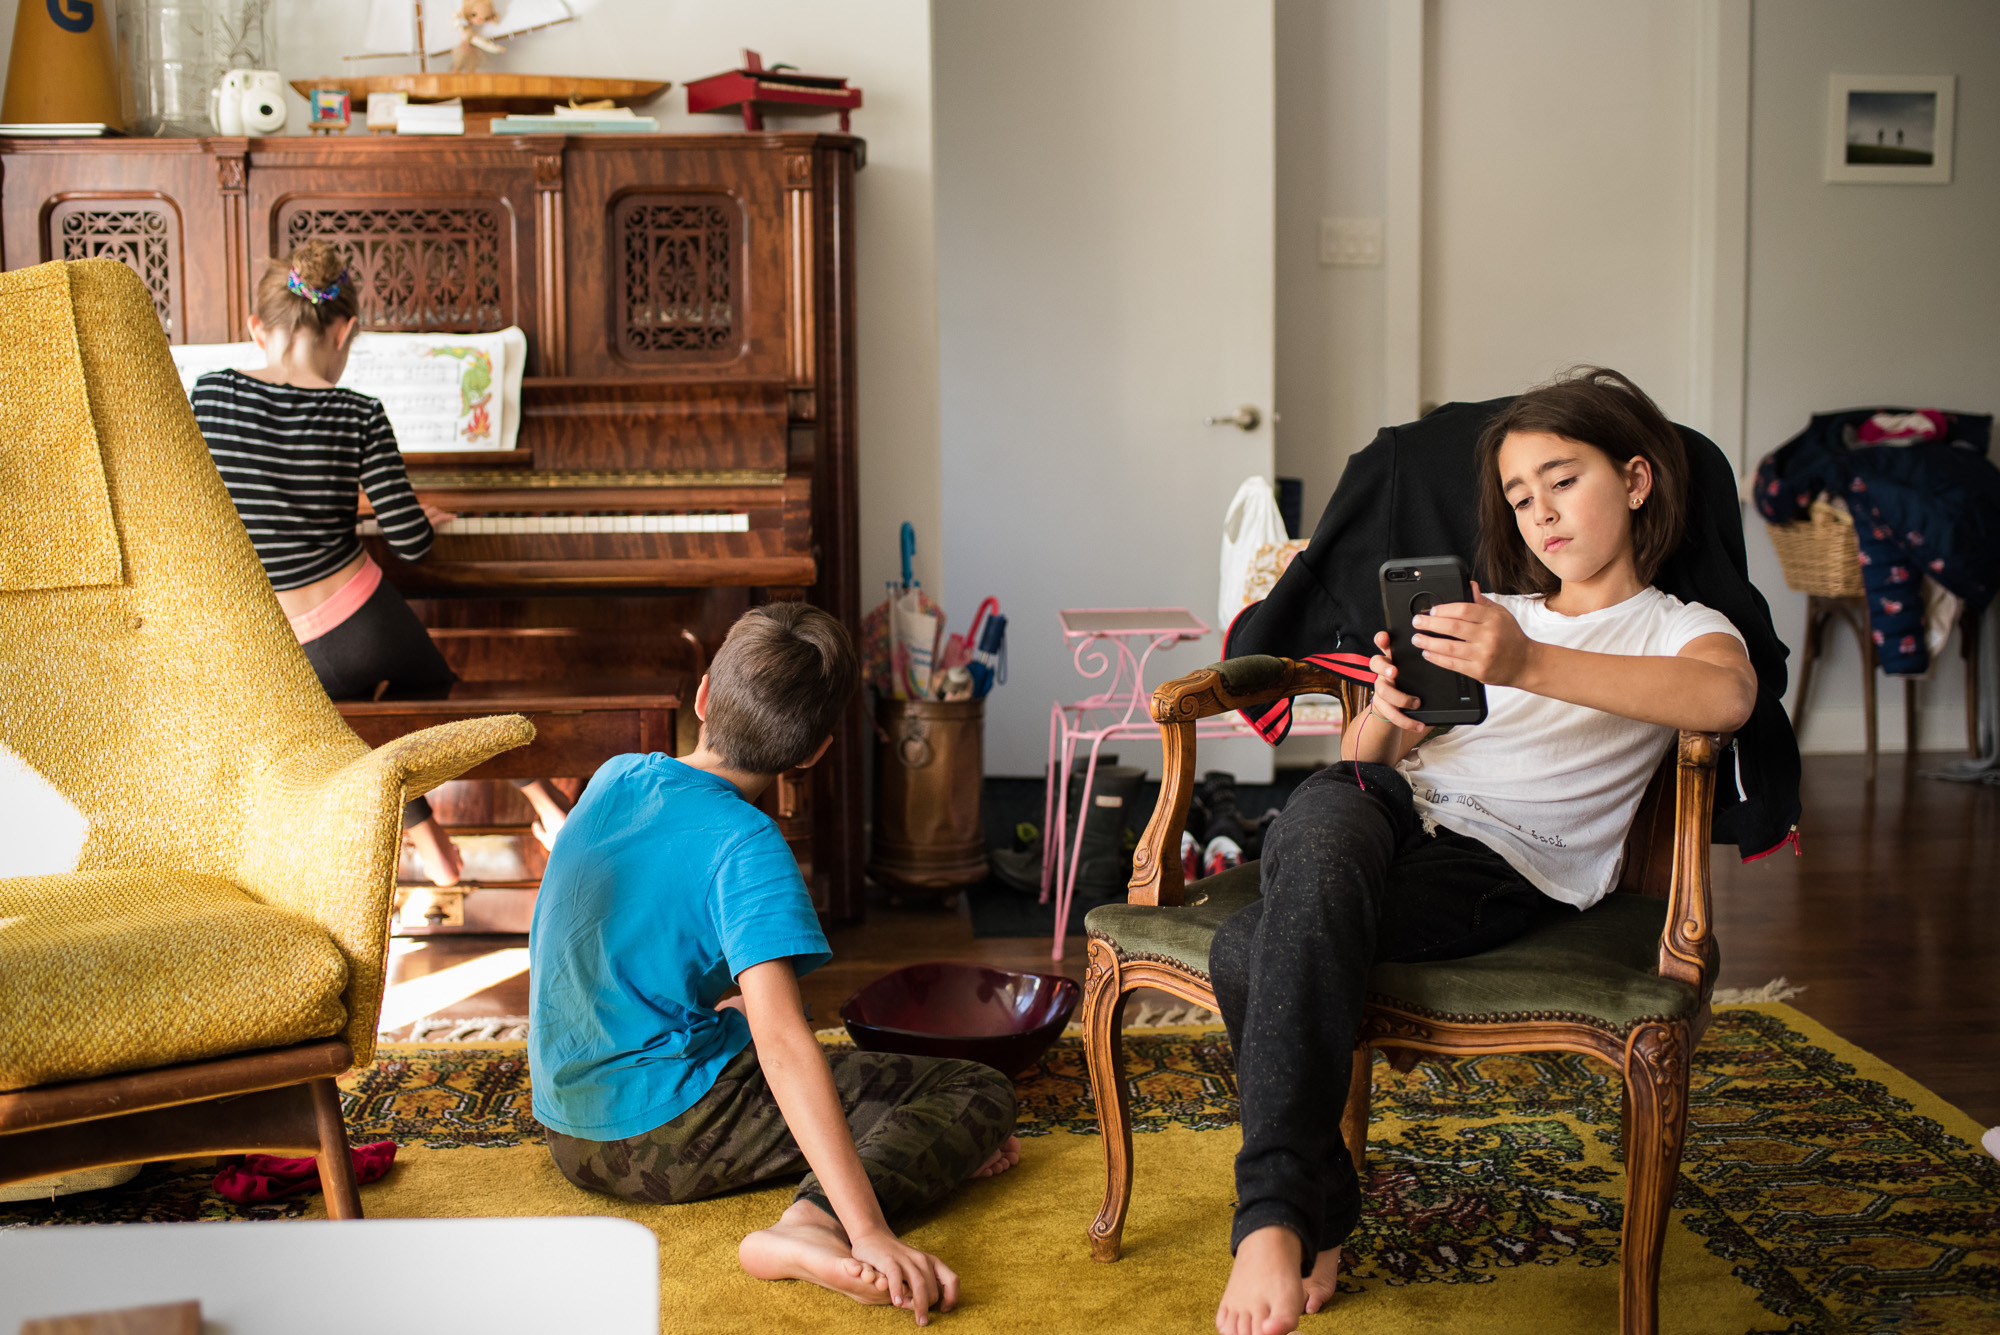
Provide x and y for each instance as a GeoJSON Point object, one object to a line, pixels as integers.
{"type": "Point", "coordinates": [295, 452]}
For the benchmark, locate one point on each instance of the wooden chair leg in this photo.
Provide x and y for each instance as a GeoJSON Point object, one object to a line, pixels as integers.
{"type": "Point", "coordinates": [1656, 1098]}
{"type": "Point", "coordinates": [1910, 725]}
{"type": "Point", "coordinates": [1354, 1117]}
{"type": "Point", "coordinates": [336, 1167]}
{"type": "Point", "coordinates": [1104, 1054]}
{"type": "Point", "coordinates": [1808, 654]}
{"type": "Point", "coordinates": [1855, 613]}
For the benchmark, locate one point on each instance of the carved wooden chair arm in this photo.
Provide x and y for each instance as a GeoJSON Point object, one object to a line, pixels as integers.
{"type": "Point", "coordinates": [1684, 939]}
{"type": "Point", "coordinates": [1236, 683]}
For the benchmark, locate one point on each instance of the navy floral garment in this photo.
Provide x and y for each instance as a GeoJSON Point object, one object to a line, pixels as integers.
{"type": "Point", "coordinates": [1926, 509]}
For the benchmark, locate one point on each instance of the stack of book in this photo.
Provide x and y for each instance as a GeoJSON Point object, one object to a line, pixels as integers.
{"type": "Point", "coordinates": [430, 118]}
{"type": "Point", "coordinates": [579, 120]}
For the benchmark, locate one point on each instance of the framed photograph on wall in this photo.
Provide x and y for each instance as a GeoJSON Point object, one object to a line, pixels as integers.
{"type": "Point", "coordinates": [1889, 129]}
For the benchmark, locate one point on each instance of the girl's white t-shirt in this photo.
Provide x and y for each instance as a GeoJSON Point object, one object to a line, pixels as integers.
{"type": "Point", "coordinates": [1551, 786]}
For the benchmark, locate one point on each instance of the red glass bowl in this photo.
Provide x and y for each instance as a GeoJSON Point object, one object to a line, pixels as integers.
{"type": "Point", "coordinates": [996, 1016]}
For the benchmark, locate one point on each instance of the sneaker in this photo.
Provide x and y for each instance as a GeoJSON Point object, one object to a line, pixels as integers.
{"type": "Point", "coordinates": [1190, 858]}
{"type": "Point", "coordinates": [1221, 854]}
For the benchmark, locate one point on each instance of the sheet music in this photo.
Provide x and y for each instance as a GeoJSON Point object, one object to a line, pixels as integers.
{"type": "Point", "coordinates": [443, 392]}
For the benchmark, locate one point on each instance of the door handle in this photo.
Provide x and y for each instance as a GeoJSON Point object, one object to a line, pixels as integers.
{"type": "Point", "coordinates": [1247, 418]}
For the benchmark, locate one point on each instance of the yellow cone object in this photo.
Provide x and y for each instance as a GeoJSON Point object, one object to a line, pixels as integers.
{"type": "Point", "coordinates": [63, 68]}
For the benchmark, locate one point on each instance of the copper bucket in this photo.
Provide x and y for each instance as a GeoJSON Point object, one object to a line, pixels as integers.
{"type": "Point", "coordinates": [929, 773]}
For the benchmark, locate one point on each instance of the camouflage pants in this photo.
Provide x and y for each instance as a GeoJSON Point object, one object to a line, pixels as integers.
{"type": "Point", "coordinates": [921, 1125]}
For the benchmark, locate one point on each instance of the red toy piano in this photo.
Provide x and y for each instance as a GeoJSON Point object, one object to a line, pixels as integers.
{"type": "Point", "coordinates": [780, 90]}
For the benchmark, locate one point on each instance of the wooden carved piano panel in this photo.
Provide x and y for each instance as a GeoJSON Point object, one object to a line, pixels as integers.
{"type": "Point", "coordinates": [691, 250]}
{"type": "Point", "coordinates": [687, 443]}
{"type": "Point", "coordinates": [437, 237]}
{"type": "Point", "coordinates": [155, 204]}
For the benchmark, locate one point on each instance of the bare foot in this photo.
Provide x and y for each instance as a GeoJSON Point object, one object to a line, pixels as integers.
{"type": "Point", "coordinates": [1265, 1295]}
{"type": "Point", "coordinates": [551, 810]}
{"type": "Point", "coordinates": [1003, 1158]}
{"type": "Point", "coordinates": [440, 855]}
{"type": "Point", "coordinates": [1321, 1282]}
{"type": "Point", "coordinates": [807, 1244]}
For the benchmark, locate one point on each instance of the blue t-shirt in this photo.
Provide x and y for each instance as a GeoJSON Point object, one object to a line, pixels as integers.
{"type": "Point", "coordinates": [665, 885]}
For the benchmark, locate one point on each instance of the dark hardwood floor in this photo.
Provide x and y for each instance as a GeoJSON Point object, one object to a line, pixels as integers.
{"type": "Point", "coordinates": [1889, 918]}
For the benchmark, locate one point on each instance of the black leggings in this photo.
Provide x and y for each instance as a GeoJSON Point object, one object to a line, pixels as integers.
{"type": "Point", "coordinates": [1349, 879]}
{"type": "Point", "coordinates": [382, 641]}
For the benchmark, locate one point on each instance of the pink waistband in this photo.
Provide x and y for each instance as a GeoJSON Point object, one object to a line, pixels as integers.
{"type": "Point", "coordinates": [346, 601]}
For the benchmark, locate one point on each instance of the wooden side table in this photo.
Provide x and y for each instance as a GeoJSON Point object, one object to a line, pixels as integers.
{"type": "Point", "coordinates": [579, 724]}
{"type": "Point", "coordinates": [1854, 612]}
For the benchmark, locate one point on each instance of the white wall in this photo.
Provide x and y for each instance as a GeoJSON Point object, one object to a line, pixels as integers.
{"type": "Point", "coordinates": [881, 45]}
{"type": "Point", "coordinates": [1558, 223]}
{"type": "Point", "coordinates": [1868, 294]}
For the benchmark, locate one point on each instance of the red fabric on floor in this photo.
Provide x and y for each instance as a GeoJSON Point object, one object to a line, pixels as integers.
{"type": "Point", "coordinates": [264, 1177]}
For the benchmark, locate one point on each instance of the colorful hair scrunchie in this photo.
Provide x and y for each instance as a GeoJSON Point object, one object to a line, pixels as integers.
{"type": "Point", "coordinates": [294, 283]}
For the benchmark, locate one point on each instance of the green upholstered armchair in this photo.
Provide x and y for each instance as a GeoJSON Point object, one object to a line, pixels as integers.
{"type": "Point", "coordinates": [1626, 982]}
{"type": "Point", "coordinates": [195, 881]}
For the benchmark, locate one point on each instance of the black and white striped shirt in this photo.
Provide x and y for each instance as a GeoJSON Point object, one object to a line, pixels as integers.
{"type": "Point", "coordinates": [295, 460]}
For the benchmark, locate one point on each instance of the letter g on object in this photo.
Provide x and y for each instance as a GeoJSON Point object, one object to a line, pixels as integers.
{"type": "Point", "coordinates": [72, 15]}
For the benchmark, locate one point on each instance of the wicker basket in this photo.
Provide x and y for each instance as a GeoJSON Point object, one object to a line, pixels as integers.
{"type": "Point", "coordinates": [1819, 553]}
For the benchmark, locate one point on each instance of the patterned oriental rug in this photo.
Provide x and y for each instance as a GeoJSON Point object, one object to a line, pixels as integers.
{"type": "Point", "coordinates": [1823, 1191]}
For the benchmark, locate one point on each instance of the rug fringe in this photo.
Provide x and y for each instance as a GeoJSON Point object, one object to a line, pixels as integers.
{"type": "Point", "coordinates": [1778, 989]}
{"type": "Point", "coordinates": [479, 1029]}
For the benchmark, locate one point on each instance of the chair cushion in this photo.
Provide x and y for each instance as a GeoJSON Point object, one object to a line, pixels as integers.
{"type": "Point", "coordinates": [121, 970]}
{"type": "Point", "coordinates": [1180, 935]}
{"type": "Point", "coordinates": [1599, 966]}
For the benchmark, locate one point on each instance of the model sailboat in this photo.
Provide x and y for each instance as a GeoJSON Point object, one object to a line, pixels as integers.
{"type": "Point", "coordinates": [414, 29]}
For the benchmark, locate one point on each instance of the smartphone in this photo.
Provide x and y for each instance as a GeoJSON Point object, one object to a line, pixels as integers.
{"type": "Point", "coordinates": [1410, 588]}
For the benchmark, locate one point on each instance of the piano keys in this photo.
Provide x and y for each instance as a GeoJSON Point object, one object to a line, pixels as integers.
{"type": "Point", "coordinates": [516, 523]}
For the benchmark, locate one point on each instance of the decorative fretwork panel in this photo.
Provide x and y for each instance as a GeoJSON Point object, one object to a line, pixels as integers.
{"type": "Point", "coordinates": [143, 234]}
{"type": "Point", "coordinates": [416, 269]}
{"type": "Point", "coordinates": [676, 291]}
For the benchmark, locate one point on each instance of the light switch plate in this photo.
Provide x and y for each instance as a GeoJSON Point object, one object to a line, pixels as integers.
{"type": "Point", "coordinates": [1350, 242]}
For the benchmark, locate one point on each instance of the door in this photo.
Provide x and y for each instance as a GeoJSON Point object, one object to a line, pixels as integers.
{"type": "Point", "coordinates": [1104, 209]}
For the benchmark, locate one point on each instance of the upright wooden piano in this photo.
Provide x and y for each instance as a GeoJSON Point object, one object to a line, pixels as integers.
{"type": "Point", "coordinates": [687, 443]}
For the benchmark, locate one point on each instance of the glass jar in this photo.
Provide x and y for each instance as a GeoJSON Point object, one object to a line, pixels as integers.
{"type": "Point", "coordinates": [176, 52]}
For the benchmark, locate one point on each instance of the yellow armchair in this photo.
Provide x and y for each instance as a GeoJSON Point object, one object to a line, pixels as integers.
{"type": "Point", "coordinates": [196, 878]}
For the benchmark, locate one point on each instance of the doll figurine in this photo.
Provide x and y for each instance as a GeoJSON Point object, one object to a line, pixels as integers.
{"type": "Point", "coordinates": [471, 17]}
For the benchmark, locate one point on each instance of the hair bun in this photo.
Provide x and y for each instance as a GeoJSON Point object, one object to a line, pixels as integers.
{"type": "Point", "coordinates": [316, 263]}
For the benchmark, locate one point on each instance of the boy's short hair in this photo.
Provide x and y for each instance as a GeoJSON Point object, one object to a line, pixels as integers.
{"type": "Point", "coordinates": [779, 683]}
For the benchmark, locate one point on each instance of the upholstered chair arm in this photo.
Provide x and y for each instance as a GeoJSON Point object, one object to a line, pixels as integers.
{"type": "Point", "coordinates": [1236, 683]}
{"type": "Point", "coordinates": [325, 831]}
{"type": "Point", "coordinates": [1684, 940]}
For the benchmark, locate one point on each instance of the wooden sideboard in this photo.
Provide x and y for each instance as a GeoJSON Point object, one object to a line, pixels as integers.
{"type": "Point", "coordinates": [689, 306]}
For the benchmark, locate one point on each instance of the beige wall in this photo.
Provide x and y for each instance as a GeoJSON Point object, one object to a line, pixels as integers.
{"type": "Point", "coordinates": [881, 45]}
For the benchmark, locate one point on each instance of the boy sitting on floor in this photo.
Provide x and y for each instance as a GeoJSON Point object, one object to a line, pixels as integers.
{"type": "Point", "coordinates": [667, 884]}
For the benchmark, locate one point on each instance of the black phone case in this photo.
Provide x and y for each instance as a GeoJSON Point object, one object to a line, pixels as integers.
{"type": "Point", "coordinates": [1448, 697]}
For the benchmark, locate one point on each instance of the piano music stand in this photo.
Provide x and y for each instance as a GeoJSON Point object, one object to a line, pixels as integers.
{"type": "Point", "coordinates": [578, 726]}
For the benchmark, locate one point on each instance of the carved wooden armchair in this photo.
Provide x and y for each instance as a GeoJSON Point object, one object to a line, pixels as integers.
{"type": "Point", "coordinates": [1626, 982]}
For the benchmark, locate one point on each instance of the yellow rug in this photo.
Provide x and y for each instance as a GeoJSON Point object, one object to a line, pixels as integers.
{"type": "Point", "coordinates": [1823, 1191]}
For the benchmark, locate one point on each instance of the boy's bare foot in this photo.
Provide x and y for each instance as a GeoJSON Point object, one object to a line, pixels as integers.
{"type": "Point", "coordinates": [806, 1243]}
{"type": "Point", "coordinates": [1321, 1283]}
{"type": "Point", "coordinates": [1265, 1295]}
{"type": "Point", "coordinates": [1003, 1158]}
